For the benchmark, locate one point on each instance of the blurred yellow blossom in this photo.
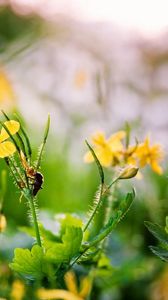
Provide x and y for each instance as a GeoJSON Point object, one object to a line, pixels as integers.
{"type": "Point", "coordinates": [73, 293]}
{"type": "Point", "coordinates": [71, 283]}
{"type": "Point", "coordinates": [7, 148]}
{"type": "Point", "coordinates": [112, 152]}
{"type": "Point", "coordinates": [150, 155]}
{"type": "Point", "coordinates": [80, 79]}
{"type": "Point", "coordinates": [3, 223]}
{"type": "Point", "coordinates": [44, 294]}
{"type": "Point", "coordinates": [108, 150]}
{"type": "Point", "coordinates": [159, 289]}
{"type": "Point", "coordinates": [7, 96]}
{"type": "Point", "coordinates": [18, 290]}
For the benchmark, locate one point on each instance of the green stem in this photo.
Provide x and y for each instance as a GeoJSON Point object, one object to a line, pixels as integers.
{"type": "Point", "coordinates": [99, 238]}
{"type": "Point", "coordinates": [34, 217]}
{"type": "Point", "coordinates": [106, 231]}
{"type": "Point", "coordinates": [102, 192]}
{"type": "Point", "coordinates": [109, 206]}
{"type": "Point", "coordinates": [96, 208]}
{"type": "Point", "coordinates": [43, 143]}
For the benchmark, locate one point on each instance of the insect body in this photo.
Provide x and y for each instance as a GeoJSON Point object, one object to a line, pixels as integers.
{"type": "Point", "coordinates": [38, 181]}
{"type": "Point", "coordinates": [35, 178]}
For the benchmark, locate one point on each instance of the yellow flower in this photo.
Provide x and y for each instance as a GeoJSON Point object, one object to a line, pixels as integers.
{"type": "Point", "coordinates": [108, 150]}
{"type": "Point", "coordinates": [3, 223]}
{"type": "Point", "coordinates": [73, 293]}
{"type": "Point", "coordinates": [18, 290]}
{"type": "Point", "coordinates": [7, 97]}
{"type": "Point", "coordinates": [7, 148]}
{"type": "Point", "coordinates": [150, 155]}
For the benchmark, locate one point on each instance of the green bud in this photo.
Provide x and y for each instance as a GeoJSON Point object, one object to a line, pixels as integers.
{"type": "Point", "coordinates": [128, 172]}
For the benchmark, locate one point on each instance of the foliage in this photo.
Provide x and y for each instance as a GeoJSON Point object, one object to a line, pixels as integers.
{"type": "Point", "coordinates": [160, 233]}
{"type": "Point", "coordinates": [78, 242]}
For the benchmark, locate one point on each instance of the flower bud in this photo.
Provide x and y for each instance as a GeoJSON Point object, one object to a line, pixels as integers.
{"type": "Point", "coordinates": [128, 172]}
{"type": "Point", "coordinates": [3, 223]}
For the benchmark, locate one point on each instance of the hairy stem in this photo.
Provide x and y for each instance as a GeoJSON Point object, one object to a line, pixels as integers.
{"type": "Point", "coordinates": [102, 192]}
{"type": "Point", "coordinates": [96, 208]}
{"type": "Point", "coordinates": [30, 198]}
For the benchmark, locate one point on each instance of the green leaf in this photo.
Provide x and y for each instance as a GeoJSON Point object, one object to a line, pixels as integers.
{"type": "Point", "coordinates": [128, 131]}
{"type": "Point", "coordinates": [70, 220]}
{"type": "Point", "coordinates": [90, 257]}
{"type": "Point", "coordinates": [70, 246]}
{"type": "Point", "coordinates": [166, 227]}
{"type": "Point", "coordinates": [41, 150]}
{"type": "Point", "coordinates": [104, 261]}
{"type": "Point", "coordinates": [114, 220]}
{"type": "Point", "coordinates": [29, 263]}
{"type": "Point", "coordinates": [158, 232]}
{"type": "Point", "coordinates": [162, 253]}
{"type": "Point", "coordinates": [126, 203]}
{"type": "Point", "coordinates": [45, 233]}
{"type": "Point", "coordinates": [101, 172]}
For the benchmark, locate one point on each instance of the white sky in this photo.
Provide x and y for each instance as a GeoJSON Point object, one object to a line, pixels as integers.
{"type": "Point", "coordinates": [147, 16]}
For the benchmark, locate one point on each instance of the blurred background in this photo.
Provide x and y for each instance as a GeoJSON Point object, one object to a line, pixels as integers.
{"type": "Point", "coordinates": [93, 65]}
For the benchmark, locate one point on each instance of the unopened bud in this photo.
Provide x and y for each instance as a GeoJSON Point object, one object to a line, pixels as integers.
{"type": "Point", "coordinates": [128, 172]}
{"type": "Point", "coordinates": [3, 223]}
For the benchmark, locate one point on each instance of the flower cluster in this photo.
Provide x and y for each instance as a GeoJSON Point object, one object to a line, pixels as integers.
{"type": "Point", "coordinates": [116, 151]}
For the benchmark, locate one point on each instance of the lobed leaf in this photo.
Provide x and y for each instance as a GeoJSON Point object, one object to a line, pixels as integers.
{"type": "Point", "coordinates": [65, 251]}
{"type": "Point", "coordinates": [28, 263]}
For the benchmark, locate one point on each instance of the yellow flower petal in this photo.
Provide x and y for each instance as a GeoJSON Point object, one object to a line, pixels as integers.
{"type": "Point", "coordinates": [150, 155]}
{"type": "Point", "coordinates": [117, 136]}
{"type": "Point", "coordinates": [88, 157]}
{"type": "Point", "coordinates": [85, 287]}
{"type": "Point", "coordinates": [156, 168]}
{"type": "Point", "coordinates": [105, 157]}
{"type": "Point", "coordinates": [108, 151]}
{"type": "Point", "coordinates": [114, 141]}
{"type": "Point", "coordinates": [99, 139]}
{"type": "Point", "coordinates": [3, 223]}
{"type": "Point", "coordinates": [44, 294]}
{"type": "Point", "coordinates": [13, 127]}
{"type": "Point", "coordinates": [71, 283]}
{"type": "Point", "coordinates": [18, 290]}
{"type": "Point", "coordinates": [7, 149]}
{"type": "Point", "coordinates": [7, 96]}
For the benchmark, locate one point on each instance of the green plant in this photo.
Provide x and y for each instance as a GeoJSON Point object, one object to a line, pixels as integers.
{"type": "Point", "coordinates": [161, 234]}
{"type": "Point", "coordinates": [78, 241]}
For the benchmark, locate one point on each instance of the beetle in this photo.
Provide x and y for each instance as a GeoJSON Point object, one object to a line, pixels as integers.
{"type": "Point", "coordinates": [37, 184]}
